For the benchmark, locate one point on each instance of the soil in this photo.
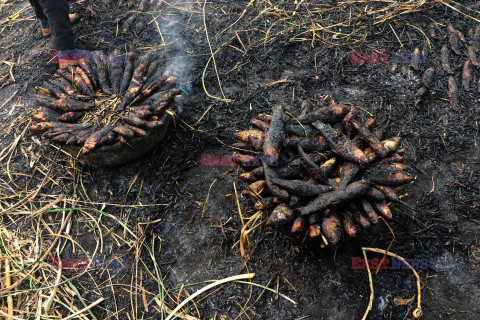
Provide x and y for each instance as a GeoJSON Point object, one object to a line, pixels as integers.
{"type": "Point", "coordinates": [190, 211]}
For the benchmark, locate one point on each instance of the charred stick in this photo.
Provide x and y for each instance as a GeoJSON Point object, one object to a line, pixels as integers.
{"type": "Point", "coordinates": [71, 116]}
{"type": "Point", "coordinates": [341, 144]}
{"type": "Point", "coordinates": [266, 203]}
{"type": "Point", "coordinates": [331, 228]}
{"type": "Point", "coordinates": [127, 73]}
{"type": "Point", "coordinates": [79, 82]}
{"type": "Point", "coordinates": [63, 138]}
{"type": "Point", "coordinates": [45, 115]}
{"type": "Point", "coordinates": [52, 90]}
{"type": "Point", "coordinates": [313, 169]}
{"type": "Point", "coordinates": [260, 124]}
{"type": "Point", "coordinates": [270, 175]}
{"type": "Point", "coordinates": [274, 135]}
{"type": "Point", "coordinates": [331, 114]}
{"type": "Point", "coordinates": [416, 58]}
{"type": "Point", "coordinates": [255, 189]}
{"type": "Point", "coordinates": [368, 211]}
{"type": "Point", "coordinates": [87, 68]}
{"type": "Point", "coordinates": [94, 140]}
{"type": "Point", "coordinates": [370, 138]}
{"type": "Point", "coordinates": [445, 60]}
{"type": "Point", "coordinates": [327, 200]}
{"type": "Point", "coordinates": [154, 124]}
{"type": "Point", "coordinates": [135, 121]}
{"type": "Point", "coordinates": [150, 89]}
{"type": "Point", "coordinates": [301, 188]}
{"type": "Point", "coordinates": [348, 224]}
{"type": "Point", "coordinates": [388, 192]}
{"type": "Point", "coordinates": [265, 117]}
{"type": "Point", "coordinates": [102, 68]}
{"type": "Point", "coordinates": [454, 37]}
{"type": "Point", "coordinates": [129, 22]}
{"type": "Point", "coordinates": [389, 176]}
{"type": "Point", "coordinates": [466, 75]}
{"type": "Point", "coordinates": [427, 77]}
{"type": "Point", "coordinates": [299, 227]}
{"type": "Point", "coordinates": [472, 55]}
{"type": "Point", "coordinates": [124, 132]}
{"type": "Point", "coordinates": [63, 105]}
{"type": "Point", "coordinates": [63, 85]}
{"type": "Point", "coordinates": [391, 145]}
{"type": "Point", "coordinates": [136, 82]}
{"type": "Point", "coordinates": [138, 131]}
{"type": "Point", "coordinates": [115, 68]}
{"type": "Point", "coordinates": [374, 195]}
{"type": "Point", "coordinates": [280, 216]}
{"type": "Point", "coordinates": [347, 121]}
{"type": "Point", "coordinates": [314, 231]}
{"type": "Point", "coordinates": [348, 172]}
{"type": "Point", "coordinates": [86, 79]}
{"type": "Point", "coordinates": [309, 144]}
{"type": "Point", "coordinates": [383, 209]}
{"type": "Point", "coordinates": [298, 130]}
{"type": "Point", "coordinates": [109, 138]}
{"type": "Point", "coordinates": [328, 166]}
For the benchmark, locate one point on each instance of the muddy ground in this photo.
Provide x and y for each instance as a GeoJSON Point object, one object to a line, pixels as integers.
{"type": "Point", "coordinates": [266, 58]}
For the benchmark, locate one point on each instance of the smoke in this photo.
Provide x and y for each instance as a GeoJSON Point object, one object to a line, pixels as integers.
{"type": "Point", "coordinates": [172, 25]}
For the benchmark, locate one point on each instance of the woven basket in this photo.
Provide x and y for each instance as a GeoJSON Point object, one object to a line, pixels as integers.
{"type": "Point", "coordinates": [119, 153]}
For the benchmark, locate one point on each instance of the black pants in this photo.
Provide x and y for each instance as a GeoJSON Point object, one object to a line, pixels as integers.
{"type": "Point", "coordinates": [53, 14]}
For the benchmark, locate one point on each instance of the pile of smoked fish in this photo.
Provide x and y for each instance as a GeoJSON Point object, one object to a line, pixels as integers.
{"type": "Point", "coordinates": [104, 100]}
{"type": "Point", "coordinates": [322, 172]}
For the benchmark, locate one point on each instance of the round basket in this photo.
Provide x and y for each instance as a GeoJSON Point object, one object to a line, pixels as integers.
{"type": "Point", "coordinates": [119, 153]}
{"type": "Point", "coordinates": [108, 110]}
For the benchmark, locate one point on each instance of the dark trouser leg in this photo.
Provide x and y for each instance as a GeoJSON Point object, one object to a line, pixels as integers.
{"type": "Point", "coordinates": [39, 13]}
{"type": "Point", "coordinates": [57, 14]}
